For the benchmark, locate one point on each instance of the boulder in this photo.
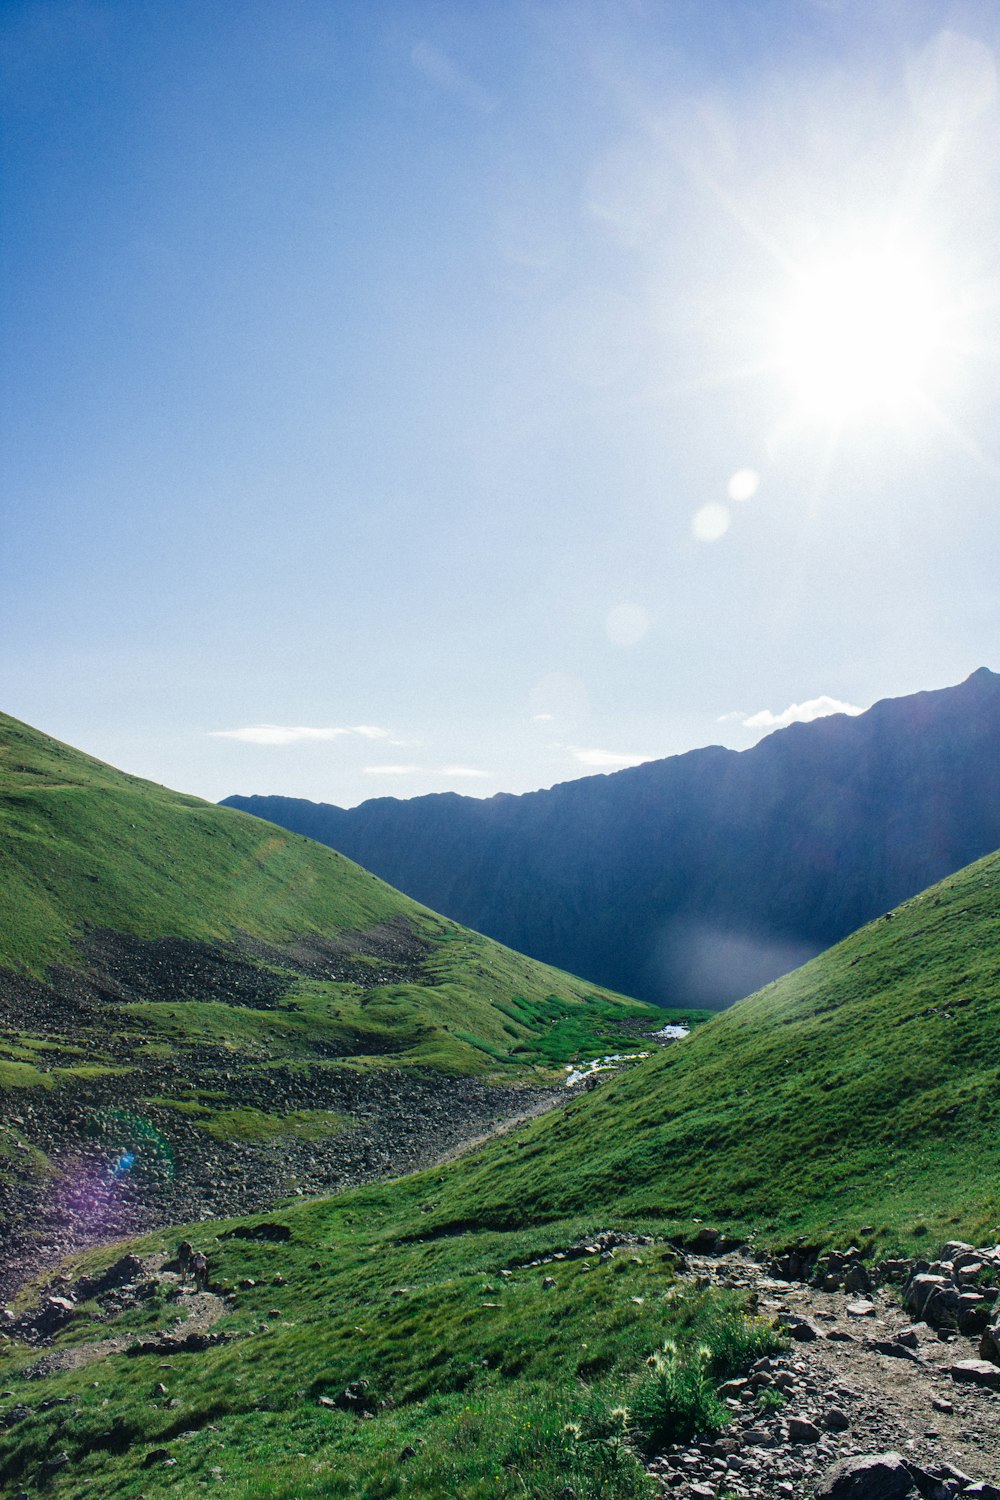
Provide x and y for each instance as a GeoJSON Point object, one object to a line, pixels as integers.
{"type": "Point", "coordinates": [882, 1476]}
{"type": "Point", "coordinates": [973, 1313]}
{"type": "Point", "coordinates": [920, 1289]}
{"type": "Point", "coordinates": [989, 1344]}
{"type": "Point", "coordinates": [803, 1330]}
{"type": "Point", "coordinates": [976, 1372]}
{"type": "Point", "coordinates": [943, 1306]}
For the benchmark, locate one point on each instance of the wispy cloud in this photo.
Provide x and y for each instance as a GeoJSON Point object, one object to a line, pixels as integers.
{"type": "Point", "coordinates": [438, 68]}
{"type": "Point", "coordinates": [606, 760]}
{"type": "Point", "coordinates": [800, 713]}
{"type": "Point", "coordinates": [451, 772]}
{"type": "Point", "coordinates": [294, 734]}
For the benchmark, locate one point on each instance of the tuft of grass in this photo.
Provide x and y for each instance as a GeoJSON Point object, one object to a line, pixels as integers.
{"type": "Point", "coordinates": [676, 1400]}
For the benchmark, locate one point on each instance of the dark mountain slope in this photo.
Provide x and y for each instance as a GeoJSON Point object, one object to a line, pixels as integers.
{"type": "Point", "coordinates": [694, 880]}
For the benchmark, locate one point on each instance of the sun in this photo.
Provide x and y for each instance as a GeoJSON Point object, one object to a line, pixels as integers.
{"type": "Point", "coordinates": [862, 334]}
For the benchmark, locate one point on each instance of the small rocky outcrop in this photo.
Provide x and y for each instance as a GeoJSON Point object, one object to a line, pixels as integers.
{"type": "Point", "coordinates": [959, 1292]}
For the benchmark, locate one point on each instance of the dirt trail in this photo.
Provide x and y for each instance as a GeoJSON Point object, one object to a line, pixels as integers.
{"type": "Point", "coordinates": [195, 1312]}
{"type": "Point", "coordinates": [846, 1387]}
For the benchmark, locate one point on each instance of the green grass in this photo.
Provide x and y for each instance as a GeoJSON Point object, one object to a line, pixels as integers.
{"type": "Point", "coordinates": [863, 1089]}
{"type": "Point", "coordinates": [494, 1384]}
{"type": "Point", "coordinates": [255, 1124]}
{"type": "Point", "coordinates": [84, 847]}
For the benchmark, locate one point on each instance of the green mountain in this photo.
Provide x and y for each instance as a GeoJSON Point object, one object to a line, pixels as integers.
{"type": "Point", "coordinates": [861, 1090]}
{"type": "Point", "coordinates": [466, 1331]}
{"type": "Point", "coordinates": [200, 1011]}
{"type": "Point", "coordinates": [416, 1337]}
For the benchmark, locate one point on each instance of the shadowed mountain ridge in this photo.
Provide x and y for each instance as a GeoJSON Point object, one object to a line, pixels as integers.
{"type": "Point", "coordinates": [694, 879]}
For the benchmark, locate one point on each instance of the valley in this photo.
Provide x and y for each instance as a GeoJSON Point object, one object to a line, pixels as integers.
{"type": "Point", "coordinates": [433, 1268]}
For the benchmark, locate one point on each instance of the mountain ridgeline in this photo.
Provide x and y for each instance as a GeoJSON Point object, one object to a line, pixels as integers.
{"type": "Point", "coordinates": [695, 879]}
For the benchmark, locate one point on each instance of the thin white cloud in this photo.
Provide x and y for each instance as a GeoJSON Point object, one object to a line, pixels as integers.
{"type": "Point", "coordinates": [468, 771]}
{"type": "Point", "coordinates": [438, 68]}
{"type": "Point", "coordinates": [294, 734]}
{"type": "Point", "coordinates": [543, 718]}
{"type": "Point", "coordinates": [800, 713]}
{"type": "Point", "coordinates": [605, 760]}
{"type": "Point", "coordinates": [390, 770]}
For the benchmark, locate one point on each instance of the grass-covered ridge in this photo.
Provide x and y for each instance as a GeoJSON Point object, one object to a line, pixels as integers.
{"type": "Point", "coordinates": [86, 848]}
{"type": "Point", "coordinates": [200, 1012]}
{"type": "Point", "coordinates": [862, 1089]}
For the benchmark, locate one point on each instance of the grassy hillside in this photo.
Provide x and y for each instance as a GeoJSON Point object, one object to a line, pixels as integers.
{"type": "Point", "coordinates": [863, 1089]}
{"type": "Point", "coordinates": [402, 1339]}
{"type": "Point", "coordinates": [200, 1012]}
{"type": "Point", "coordinates": [85, 848]}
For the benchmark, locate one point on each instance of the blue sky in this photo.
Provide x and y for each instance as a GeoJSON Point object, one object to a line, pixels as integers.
{"type": "Point", "coordinates": [377, 378]}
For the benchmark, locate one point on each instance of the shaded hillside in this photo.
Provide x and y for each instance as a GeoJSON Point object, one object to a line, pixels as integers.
{"type": "Point", "coordinates": [694, 880]}
{"type": "Point", "coordinates": [198, 1011]}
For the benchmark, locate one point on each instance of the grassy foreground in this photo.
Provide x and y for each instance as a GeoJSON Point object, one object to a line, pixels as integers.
{"type": "Point", "coordinates": [863, 1090]}
{"type": "Point", "coordinates": [468, 1375]}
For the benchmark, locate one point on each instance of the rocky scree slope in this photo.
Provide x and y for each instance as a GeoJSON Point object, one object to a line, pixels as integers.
{"type": "Point", "coordinates": [696, 879]}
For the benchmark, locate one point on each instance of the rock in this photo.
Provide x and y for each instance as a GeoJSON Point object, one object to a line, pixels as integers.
{"type": "Point", "coordinates": [939, 1403]}
{"type": "Point", "coordinates": [836, 1420]}
{"type": "Point", "coordinates": [942, 1306]}
{"type": "Point", "coordinates": [984, 1490]}
{"type": "Point", "coordinates": [976, 1372]}
{"type": "Point", "coordinates": [548, 1283]}
{"type": "Point", "coordinates": [861, 1309]}
{"type": "Point", "coordinates": [801, 1431]}
{"type": "Point", "coordinates": [908, 1338]}
{"type": "Point", "coordinates": [955, 1248]}
{"type": "Point", "coordinates": [857, 1279]}
{"type": "Point", "coordinates": [803, 1330]}
{"type": "Point", "coordinates": [989, 1344]}
{"type": "Point", "coordinates": [882, 1476]}
{"type": "Point", "coordinates": [920, 1288]}
{"type": "Point", "coordinates": [155, 1456]}
{"type": "Point", "coordinates": [893, 1348]}
{"type": "Point", "coordinates": [973, 1313]}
